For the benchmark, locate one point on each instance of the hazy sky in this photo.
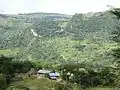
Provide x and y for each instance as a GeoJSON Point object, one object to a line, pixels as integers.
{"type": "Point", "coordinates": [55, 6]}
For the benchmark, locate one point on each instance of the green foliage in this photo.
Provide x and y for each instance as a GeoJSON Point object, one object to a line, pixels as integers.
{"type": "Point", "coordinates": [10, 52]}
{"type": "Point", "coordinates": [100, 88]}
{"type": "Point", "coordinates": [47, 28]}
{"type": "Point", "coordinates": [8, 68]}
{"type": "Point", "coordinates": [116, 38]}
{"type": "Point", "coordinates": [84, 38]}
{"type": "Point", "coordinates": [3, 84]}
{"type": "Point", "coordinates": [15, 31]}
{"type": "Point", "coordinates": [96, 26]}
{"type": "Point", "coordinates": [6, 65]}
{"type": "Point", "coordinates": [22, 66]}
{"type": "Point", "coordinates": [60, 86]}
{"type": "Point", "coordinates": [116, 12]}
{"type": "Point", "coordinates": [116, 53]}
{"type": "Point", "coordinates": [88, 77]}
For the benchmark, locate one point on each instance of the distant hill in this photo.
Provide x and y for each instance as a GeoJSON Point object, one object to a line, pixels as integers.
{"type": "Point", "coordinates": [97, 25]}
{"type": "Point", "coordinates": [15, 31]}
{"type": "Point", "coordinates": [3, 16]}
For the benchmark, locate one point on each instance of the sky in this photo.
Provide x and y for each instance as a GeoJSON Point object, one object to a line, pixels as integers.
{"type": "Point", "coordinates": [56, 6]}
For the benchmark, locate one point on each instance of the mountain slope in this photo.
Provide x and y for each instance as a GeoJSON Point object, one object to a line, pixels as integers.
{"type": "Point", "coordinates": [15, 30]}
{"type": "Point", "coordinates": [84, 38]}
{"type": "Point", "coordinates": [92, 25]}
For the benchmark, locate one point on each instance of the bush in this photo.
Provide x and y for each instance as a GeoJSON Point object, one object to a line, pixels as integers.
{"type": "Point", "coordinates": [3, 83]}
{"type": "Point", "coordinates": [87, 77]}
{"type": "Point", "coordinates": [66, 86]}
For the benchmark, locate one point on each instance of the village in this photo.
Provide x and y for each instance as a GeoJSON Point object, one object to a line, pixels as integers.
{"type": "Point", "coordinates": [45, 73]}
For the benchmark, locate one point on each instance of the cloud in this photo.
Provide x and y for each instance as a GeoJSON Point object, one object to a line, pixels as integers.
{"type": "Point", "coordinates": [56, 6]}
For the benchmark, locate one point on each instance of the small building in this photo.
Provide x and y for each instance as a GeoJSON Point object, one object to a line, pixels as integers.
{"type": "Point", "coordinates": [48, 74]}
{"type": "Point", "coordinates": [43, 73]}
{"type": "Point", "coordinates": [54, 76]}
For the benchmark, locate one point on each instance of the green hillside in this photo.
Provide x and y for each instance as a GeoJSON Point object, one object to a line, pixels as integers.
{"type": "Point", "coordinates": [96, 26]}
{"type": "Point", "coordinates": [15, 31]}
{"type": "Point", "coordinates": [59, 38]}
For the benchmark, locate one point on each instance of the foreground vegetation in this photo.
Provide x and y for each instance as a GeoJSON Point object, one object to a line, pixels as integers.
{"type": "Point", "coordinates": [80, 74]}
{"type": "Point", "coordinates": [41, 84]}
{"type": "Point", "coordinates": [46, 84]}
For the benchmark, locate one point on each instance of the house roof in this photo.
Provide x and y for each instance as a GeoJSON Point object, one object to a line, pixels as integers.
{"type": "Point", "coordinates": [53, 77]}
{"type": "Point", "coordinates": [54, 74]}
{"type": "Point", "coordinates": [44, 71]}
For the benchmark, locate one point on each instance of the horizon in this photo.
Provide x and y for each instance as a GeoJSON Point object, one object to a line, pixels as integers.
{"type": "Point", "coordinates": [56, 6]}
{"type": "Point", "coordinates": [49, 13]}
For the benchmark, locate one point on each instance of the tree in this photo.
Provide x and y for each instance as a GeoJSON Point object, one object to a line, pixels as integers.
{"type": "Point", "coordinates": [116, 38]}
{"type": "Point", "coordinates": [6, 67]}
{"type": "Point", "coordinates": [116, 12]}
{"type": "Point", "coordinates": [22, 66]}
{"type": "Point", "coordinates": [116, 34]}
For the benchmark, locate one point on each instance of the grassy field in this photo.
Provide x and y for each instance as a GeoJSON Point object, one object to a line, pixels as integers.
{"type": "Point", "coordinates": [46, 84]}
{"type": "Point", "coordinates": [100, 89]}
{"type": "Point", "coordinates": [41, 84]}
{"type": "Point", "coordinates": [9, 52]}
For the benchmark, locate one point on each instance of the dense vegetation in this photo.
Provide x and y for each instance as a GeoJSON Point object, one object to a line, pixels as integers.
{"type": "Point", "coordinates": [83, 76]}
{"type": "Point", "coordinates": [84, 48]}
{"type": "Point", "coordinates": [84, 38]}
